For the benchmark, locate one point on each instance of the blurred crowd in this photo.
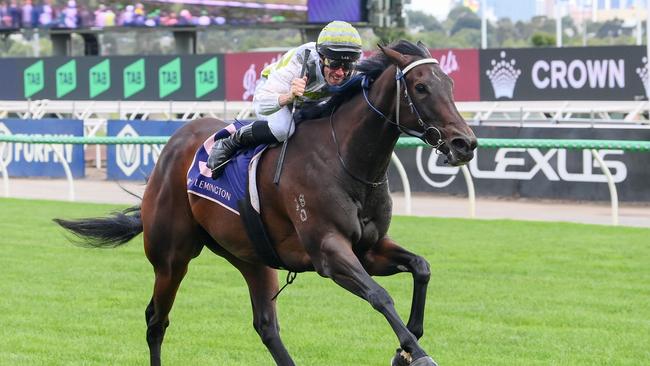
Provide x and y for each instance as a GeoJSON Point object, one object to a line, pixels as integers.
{"type": "Point", "coordinates": [16, 14]}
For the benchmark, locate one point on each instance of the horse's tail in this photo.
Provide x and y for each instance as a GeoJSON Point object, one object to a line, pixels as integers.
{"type": "Point", "coordinates": [105, 232]}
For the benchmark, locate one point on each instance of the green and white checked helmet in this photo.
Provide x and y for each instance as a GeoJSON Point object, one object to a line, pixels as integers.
{"type": "Point", "coordinates": [339, 41]}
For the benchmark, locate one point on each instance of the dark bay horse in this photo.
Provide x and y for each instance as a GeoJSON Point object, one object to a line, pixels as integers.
{"type": "Point", "coordinates": [336, 169]}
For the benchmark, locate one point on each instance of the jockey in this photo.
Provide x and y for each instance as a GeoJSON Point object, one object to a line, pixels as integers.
{"type": "Point", "coordinates": [331, 62]}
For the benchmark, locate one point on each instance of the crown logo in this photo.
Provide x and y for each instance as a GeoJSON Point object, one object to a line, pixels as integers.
{"type": "Point", "coordinates": [503, 76]}
{"type": "Point", "coordinates": [644, 75]}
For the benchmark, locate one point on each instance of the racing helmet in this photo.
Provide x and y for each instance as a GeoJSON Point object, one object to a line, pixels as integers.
{"type": "Point", "coordinates": [339, 41]}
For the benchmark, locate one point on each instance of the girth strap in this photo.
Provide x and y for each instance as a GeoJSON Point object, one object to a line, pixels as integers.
{"type": "Point", "coordinates": [257, 234]}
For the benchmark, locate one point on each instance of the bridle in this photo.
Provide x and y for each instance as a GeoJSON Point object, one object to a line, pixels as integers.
{"type": "Point", "coordinates": [399, 77]}
{"type": "Point", "coordinates": [365, 86]}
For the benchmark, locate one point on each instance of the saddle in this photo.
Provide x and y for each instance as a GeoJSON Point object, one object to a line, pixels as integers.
{"type": "Point", "coordinates": [235, 189]}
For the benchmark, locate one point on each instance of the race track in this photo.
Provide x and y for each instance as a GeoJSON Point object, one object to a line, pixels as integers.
{"type": "Point", "coordinates": [97, 190]}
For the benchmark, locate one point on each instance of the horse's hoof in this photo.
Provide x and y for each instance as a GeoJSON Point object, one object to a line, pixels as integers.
{"type": "Point", "coordinates": [401, 358]}
{"type": "Point", "coordinates": [424, 361]}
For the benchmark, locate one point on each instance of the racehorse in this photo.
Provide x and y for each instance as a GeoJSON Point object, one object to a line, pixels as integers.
{"type": "Point", "coordinates": [336, 167]}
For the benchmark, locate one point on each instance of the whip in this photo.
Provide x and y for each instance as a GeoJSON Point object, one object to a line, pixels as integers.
{"type": "Point", "coordinates": [278, 169]}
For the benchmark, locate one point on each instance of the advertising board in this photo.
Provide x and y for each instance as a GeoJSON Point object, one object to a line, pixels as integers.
{"type": "Point", "coordinates": [243, 71]}
{"type": "Point", "coordinates": [535, 173]}
{"type": "Point", "coordinates": [41, 160]}
{"type": "Point", "coordinates": [570, 73]}
{"type": "Point", "coordinates": [135, 162]}
{"type": "Point", "coordinates": [150, 78]}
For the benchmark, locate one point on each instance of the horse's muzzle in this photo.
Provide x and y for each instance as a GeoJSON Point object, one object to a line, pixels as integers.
{"type": "Point", "coordinates": [460, 150]}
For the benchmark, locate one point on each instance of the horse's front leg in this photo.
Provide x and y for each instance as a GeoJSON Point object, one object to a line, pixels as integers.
{"type": "Point", "coordinates": [334, 258]}
{"type": "Point", "coordinates": [387, 258]}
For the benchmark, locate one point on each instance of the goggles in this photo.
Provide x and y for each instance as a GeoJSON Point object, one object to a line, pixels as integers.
{"type": "Point", "coordinates": [337, 64]}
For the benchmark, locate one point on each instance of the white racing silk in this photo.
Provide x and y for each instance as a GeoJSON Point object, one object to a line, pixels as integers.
{"type": "Point", "coordinates": [276, 80]}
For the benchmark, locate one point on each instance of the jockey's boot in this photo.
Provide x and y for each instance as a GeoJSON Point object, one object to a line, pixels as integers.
{"type": "Point", "coordinates": [252, 134]}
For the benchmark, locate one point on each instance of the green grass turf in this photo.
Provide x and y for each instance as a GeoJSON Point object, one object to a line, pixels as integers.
{"type": "Point", "coordinates": [502, 293]}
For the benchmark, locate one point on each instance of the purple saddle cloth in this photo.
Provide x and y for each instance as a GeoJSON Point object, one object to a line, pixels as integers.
{"type": "Point", "coordinates": [229, 188]}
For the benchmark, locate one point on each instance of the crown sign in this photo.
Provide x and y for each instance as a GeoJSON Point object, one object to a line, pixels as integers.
{"type": "Point", "coordinates": [503, 76]}
{"type": "Point", "coordinates": [645, 77]}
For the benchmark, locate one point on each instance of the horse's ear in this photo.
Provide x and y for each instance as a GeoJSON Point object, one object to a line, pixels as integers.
{"type": "Point", "coordinates": [424, 48]}
{"type": "Point", "coordinates": [394, 56]}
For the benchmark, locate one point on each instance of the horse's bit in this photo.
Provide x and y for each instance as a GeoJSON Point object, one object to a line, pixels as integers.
{"type": "Point", "coordinates": [399, 75]}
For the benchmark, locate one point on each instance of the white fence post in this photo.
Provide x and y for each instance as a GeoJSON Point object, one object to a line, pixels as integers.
{"type": "Point", "coordinates": [405, 182]}
{"type": "Point", "coordinates": [613, 194]}
{"type": "Point", "coordinates": [5, 174]}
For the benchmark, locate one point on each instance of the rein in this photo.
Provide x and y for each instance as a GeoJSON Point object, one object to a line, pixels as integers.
{"type": "Point", "coordinates": [345, 167]}
{"type": "Point", "coordinates": [399, 76]}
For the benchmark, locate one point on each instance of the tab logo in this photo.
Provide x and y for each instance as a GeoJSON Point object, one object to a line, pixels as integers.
{"type": "Point", "coordinates": [34, 78]}
{"type": "Point", "coordinates": [128, 157]}
{"type": "Point", "coordinates": [169, 77]}
{"type": "Point", "coordinates": [66, 78]}
{"type": "Point", "coordinates": [134, 78]}
{"type": "Point", "coordinates": [206, 77]}
{"type": "Point", "coordinates": [99, 78]}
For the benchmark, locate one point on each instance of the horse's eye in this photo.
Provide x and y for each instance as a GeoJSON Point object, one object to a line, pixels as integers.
{"type": "Point", "coordinates": [420, 88]}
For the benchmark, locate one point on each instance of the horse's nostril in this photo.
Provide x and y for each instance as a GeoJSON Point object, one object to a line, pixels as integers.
{"type": "Point", "coordinates": [463, 145]}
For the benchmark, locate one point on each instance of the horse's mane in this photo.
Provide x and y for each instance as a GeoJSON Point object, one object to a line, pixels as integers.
{"type": "Point", "coordinates": [371, 68]}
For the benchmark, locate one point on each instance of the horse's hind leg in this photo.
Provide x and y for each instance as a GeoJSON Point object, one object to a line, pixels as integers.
{"type": "Point", "coordinates": [170, 256]}
{"type": "Point", "coordinates": [165, 287]}
{"type": "Point", "coordinates": [263, 285]}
